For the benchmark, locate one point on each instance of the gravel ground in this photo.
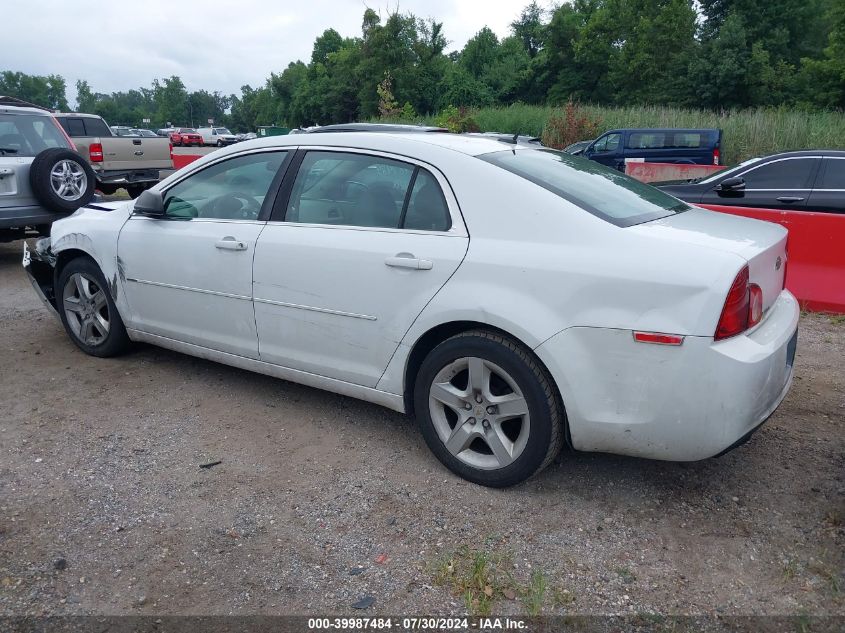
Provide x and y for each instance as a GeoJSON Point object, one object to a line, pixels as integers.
{"type": "Point", "coordinates": [321, 501]}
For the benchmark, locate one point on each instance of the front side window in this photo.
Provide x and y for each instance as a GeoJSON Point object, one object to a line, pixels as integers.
{"type": "Point", "coordinates": [599, 190]}
{"type": "Point", "coordinates": [368, 191]}
{"type": "Point", "coordinates": [609, 143]}
{"type": "Point", "coordinates": [781, 174]}
{"type": "Point", "coordinates": [25, 135]}
{"type": "Point", "coordinates": [231, 190]}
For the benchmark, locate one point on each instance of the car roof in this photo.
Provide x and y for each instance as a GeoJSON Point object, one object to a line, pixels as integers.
{"type": "Point", "coordinates": [83, 114]}
{"type": "Point", "coordinates": [373, 127]}
{"type": "Point", "coordinates": [805, 152]}
{"type": "Point", "coordinates": [13, 105]}
{"type": "Point", "coordinates": [396, 142]}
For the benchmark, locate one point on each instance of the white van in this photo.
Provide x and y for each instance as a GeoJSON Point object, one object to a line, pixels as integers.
{"type": "Point", "coordinates": [218, 136]}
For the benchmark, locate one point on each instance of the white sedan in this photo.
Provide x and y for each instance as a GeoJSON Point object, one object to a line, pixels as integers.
{"type": "Point", "coordinates": [512, 298]}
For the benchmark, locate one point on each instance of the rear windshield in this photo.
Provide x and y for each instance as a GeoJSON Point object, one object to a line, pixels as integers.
{"type": "Point", "coordinates": [28, 135]}
{"type": "Point", "coordinates": [604, 192]}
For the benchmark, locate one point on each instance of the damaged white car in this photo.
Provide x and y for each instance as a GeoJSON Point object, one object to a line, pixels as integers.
{"type": "Point", "coordinates": [512, 298]}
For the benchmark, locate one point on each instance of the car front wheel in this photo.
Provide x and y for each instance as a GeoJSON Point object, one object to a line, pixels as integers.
{"type": "Point", "coordinates": [87, 310]}
{"type": "Point", "coordinates": [487, 409]}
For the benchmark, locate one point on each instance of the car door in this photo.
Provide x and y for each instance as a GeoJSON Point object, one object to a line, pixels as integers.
{"type": "Point", "coordinates": [828, 194]}
{"type": "Point", "coordinates": [188, 275]}
{"type": "Point", "coordinates": [783, 183]}
{"type": "Point", "coordinates": [358, 244]}
{"type": "Point", "coordinates": [607, 150]}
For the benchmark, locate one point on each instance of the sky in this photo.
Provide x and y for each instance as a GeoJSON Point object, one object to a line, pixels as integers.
{"type": "Point", "coordinates": [211, 44]}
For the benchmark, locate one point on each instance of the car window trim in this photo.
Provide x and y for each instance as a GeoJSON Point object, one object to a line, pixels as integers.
{"type": "Point", "coordinates": [272, 191]}
{"type": "Point", "coordinates": [457, 228]}
{"type": "Point", "coordinates": [810, 179]}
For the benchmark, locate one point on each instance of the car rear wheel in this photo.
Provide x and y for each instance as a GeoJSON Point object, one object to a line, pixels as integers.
{"type": "Point", "coordinates": [87, 310]}
{"type": "Point", "coordinates": [219, 143]}
{"type": "Point", "coordinates": [487, 409]}
{"type": "Point", "coordinates": [135, 190]}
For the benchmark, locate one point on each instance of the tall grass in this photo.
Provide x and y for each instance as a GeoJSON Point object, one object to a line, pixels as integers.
{"type": "Point", "coordinates": [746, 133]}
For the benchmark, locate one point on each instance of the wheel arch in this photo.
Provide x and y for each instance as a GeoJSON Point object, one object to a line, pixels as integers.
{"type": "Point", "coordinates": [439, 333]}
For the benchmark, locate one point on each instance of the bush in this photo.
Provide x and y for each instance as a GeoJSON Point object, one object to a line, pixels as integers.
{"type": "Point", "coordinates": [456, 120]}
{"type": "Point", "coordinates": [569, 125]}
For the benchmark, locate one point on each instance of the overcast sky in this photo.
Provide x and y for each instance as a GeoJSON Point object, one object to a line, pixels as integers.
{"type": "Point", "coordinates": [211, 44]}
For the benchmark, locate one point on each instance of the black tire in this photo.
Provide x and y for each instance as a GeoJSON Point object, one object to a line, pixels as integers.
{"type": "Point", "coordinates": [219, 143]}
{"type": "Point", "coordinates": [116, 341]}
{"type": "Point", "coordinates": [108, 190]}
{"type": "Point", "coordinates": [135, 190]}
{"type": "Point", "coordinates": [42, 187]}
{"type": "Point", "coordinates": [545, 411]}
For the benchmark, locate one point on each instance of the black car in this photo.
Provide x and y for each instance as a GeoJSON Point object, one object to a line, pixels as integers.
{"type": "Point", "coordinates": [812, 180]}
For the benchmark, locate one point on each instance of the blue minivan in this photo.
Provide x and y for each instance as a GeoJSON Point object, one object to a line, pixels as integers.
{"type": "Point", "coordinates": [656, 145]}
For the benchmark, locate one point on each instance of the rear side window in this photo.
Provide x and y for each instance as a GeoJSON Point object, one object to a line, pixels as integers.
{"type": "Point", "coordinates": [96, 127]}
{"type": "Point", "coordinates": [791, 173]}
{"type": "Point", "coordinates": [351, 189]}
{"type": "Point", "coordinates": [834, 174]}
{"type": "Point", "coordinates": [73, 127]}
{"type": "Point", "coordinates": [664, 140]}
{"type": "Point", "coordinates": [26, 135]}
{"type": "Point", "coordinates": [599, 190]}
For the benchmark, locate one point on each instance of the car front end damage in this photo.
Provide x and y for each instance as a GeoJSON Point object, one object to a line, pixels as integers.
{"type": "Point", "coordinates": [39, 262]}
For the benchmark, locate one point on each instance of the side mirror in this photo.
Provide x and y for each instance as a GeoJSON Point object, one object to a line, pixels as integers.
{"type": "Point", "coordinates": [735, 184]}
{"type": "Point", "coordinates": [150, 203]}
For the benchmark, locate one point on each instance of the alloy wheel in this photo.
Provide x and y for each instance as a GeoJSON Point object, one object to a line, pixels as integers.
{"type": "Point", "coordinates": [479, 413]}
{"type": "Point", "coordinates": [86, 309]}
{"type": "Point", "coordinates": [68, 180]}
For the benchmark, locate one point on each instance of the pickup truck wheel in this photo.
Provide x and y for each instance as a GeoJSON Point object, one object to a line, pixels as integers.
{"type": "Point", "coordinates": [61, 180]}
{"type": "Point", "coordinates": [219, 143]}
{"type": "Point", "coordinates": [108, 190]}
{"type": "Point", "coordinates": [135, 190]}
{"type": "Point", "coordinates": [88, 311]}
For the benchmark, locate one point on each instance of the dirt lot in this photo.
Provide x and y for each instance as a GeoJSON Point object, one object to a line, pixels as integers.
{"type": "Point", "coordinates": [321, 500]}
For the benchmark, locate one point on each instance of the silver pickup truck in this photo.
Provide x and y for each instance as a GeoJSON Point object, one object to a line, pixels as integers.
{"type": "Point", "coordinates": [132, 163]}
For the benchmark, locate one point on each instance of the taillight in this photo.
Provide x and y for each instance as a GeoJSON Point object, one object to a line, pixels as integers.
{"type": "Point", "coordinates": [171, 152]}
{"type": "Point", "coordinates": [716, 156]}
{"type": "Point", "coordinates": [743, 307]}
{"type": "Point", "coordinates": [95, 152]}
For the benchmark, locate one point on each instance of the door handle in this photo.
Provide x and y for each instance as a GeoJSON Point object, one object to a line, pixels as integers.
{"type": "Point", "coordinates": [229, 243]}
{"type": "Point", "coordinates": [790, 199]}
{"type": "Point", "coordinates": [407, 260]}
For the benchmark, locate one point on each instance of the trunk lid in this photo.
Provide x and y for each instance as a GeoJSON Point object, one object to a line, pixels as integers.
{"type": "Point", "coordinates": [761, 244]}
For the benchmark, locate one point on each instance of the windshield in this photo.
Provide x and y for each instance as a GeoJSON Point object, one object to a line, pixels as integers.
{"type": "Point", "coordinates": [604, 192]}
{"type": "Point", "coordinates": [222, 130]}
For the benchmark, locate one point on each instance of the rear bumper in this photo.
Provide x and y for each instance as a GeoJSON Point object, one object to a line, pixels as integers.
{"type": "Point", "coordinates": [128, 177]}
{"type": "Point", "coordinates": [20, 217]}
{"type": "Point", "coordinates": [674, 403]}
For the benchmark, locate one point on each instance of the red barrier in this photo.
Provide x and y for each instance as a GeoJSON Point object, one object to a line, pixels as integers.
{"type": "Point", "coordinates": [661, 172]}
{"type": "Point", "coordinates": [815, 271]}
{"type": "Point", "coordinates": [180, 160]}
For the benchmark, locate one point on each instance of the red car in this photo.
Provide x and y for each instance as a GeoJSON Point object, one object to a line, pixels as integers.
{"type": "Point", "coordinates": [185, 136]}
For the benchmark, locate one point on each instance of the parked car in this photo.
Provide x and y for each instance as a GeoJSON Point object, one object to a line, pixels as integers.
{"type": "Point", "coordinates": [811, 180]}
{"type": "Point", "coordinates": [123, 130]}
{"type": "Point", "coordinates": [165, 131]}
{"type": "Point", "coordinates": [656, 145]}
{"type": "Point", "coordinates": [577, 148]}
{"type": "Point", "coordinates": [42, 177]}
{"type": "Point", "coordinates": [511, 297]}
{"type": "Point", "coordinates": [185, 136]}
{"type": "Point", "coordinates": [129, 162]}
{"type": "Point", "coordinates": [218, 136]}
{"type": "Point", "coordinates": [248, 136]}
{"type": "Point", "coordinates": [803, 191]}
{"type": "Point", "coordinates": [145, 133]}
